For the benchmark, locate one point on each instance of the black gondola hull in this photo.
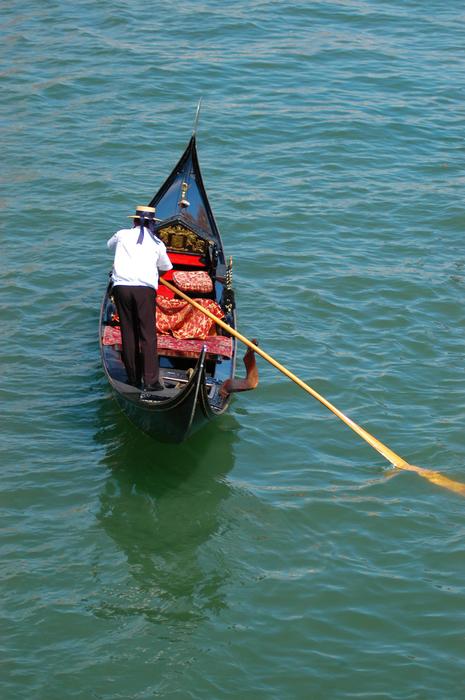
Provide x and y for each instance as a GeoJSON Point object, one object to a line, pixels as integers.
{"type": "Point", "coordinates": [167, 420]}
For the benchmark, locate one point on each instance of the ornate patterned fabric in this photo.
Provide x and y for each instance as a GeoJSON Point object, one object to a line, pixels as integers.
{"type": "Point", "coordinates": [167, 345]}
{"type": "Point", "coordinates": [178, 318]}
{"type": "Point", "coordinates": [197, 281]}
{"type": "Point", "coordinates": [111, 335]}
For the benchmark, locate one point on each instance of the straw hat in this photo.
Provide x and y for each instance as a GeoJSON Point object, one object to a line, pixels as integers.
{"type": "Point", "coordinates": [141, 210]}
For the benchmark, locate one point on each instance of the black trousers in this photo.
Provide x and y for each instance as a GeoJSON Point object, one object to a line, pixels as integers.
{"type": "Point", "coordinates": [136, 308]}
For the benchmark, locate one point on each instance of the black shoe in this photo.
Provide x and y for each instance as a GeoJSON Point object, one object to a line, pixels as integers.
{"type": "Point", "coordinates": [157, 386]}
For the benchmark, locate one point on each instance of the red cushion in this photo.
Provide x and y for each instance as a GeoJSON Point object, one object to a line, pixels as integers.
{"type": "Point", "coordinates": [198, 281]}
{"type": "Point", "coordinates": [167, 345]}
{"type": "Point", "coordinates": [192, 347]}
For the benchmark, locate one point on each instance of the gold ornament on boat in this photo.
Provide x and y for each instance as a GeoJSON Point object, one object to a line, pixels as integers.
{"type": "Point", "coordinates": [179, 238]}
{"type": "Point", "coordinates": [184, 202]}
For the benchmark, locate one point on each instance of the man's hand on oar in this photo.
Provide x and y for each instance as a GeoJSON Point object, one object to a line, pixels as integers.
{"type": "Point", "coordinates": [392, 457]}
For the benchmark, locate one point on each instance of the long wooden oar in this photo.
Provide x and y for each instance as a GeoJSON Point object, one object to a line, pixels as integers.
{"type": "Point", "coordinates": [392, 457]}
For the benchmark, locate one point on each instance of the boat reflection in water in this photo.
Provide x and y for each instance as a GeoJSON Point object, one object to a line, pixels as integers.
{"type": "Point", "coordinates": [162, 505]}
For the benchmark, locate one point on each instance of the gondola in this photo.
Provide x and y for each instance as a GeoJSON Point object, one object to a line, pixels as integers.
{"type": "Point", "coordinates": [195, 371]}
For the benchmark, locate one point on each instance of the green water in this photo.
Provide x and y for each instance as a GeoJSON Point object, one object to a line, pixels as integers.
{"type": "Point", "coordinates": [274, 555]}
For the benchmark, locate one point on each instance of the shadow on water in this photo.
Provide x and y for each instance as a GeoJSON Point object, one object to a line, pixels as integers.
{"type": "Point", "coordinates": [162, 506]}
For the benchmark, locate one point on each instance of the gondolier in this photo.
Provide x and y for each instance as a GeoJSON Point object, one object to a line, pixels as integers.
{"type": "Point", "coordinates": [139, 258]}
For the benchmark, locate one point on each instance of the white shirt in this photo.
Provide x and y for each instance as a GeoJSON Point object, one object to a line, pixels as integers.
{"type": "Point", "coordinates": [138, 264]}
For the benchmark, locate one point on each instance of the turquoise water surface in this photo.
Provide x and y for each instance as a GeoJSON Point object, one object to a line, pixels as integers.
{"type": "Point", "coordinates": [275, 555]}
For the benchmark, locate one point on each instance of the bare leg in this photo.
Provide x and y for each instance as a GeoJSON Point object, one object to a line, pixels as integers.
{"type": "Point", "coordinates": [251, 380]}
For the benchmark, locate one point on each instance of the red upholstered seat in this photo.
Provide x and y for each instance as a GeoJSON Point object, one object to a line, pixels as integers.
{"type": "Point", "coordinates": [194, 281]}
{"type": "Point", "coordinates": [186, 259]}
{"type": "Point", "coordinates": [187, 347]}
{"type": "Point", "coordinates": [183, 260]}
{"type": "Point", "coordinates": [192, 347]}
